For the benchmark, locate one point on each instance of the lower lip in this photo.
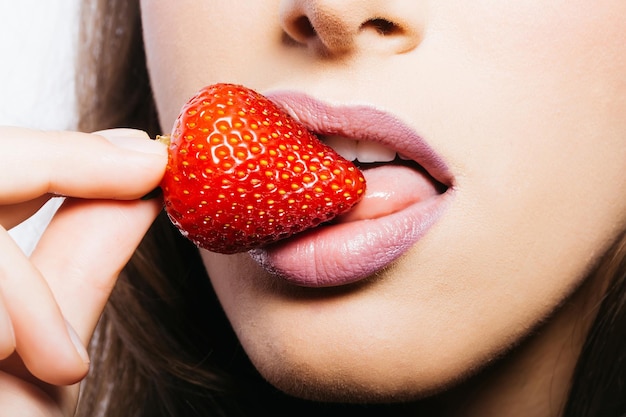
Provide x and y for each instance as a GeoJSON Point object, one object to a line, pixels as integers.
{"type": "Point", "coordinates": [344, 253]}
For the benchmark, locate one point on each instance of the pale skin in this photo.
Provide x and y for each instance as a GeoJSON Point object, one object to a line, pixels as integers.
{"type": "Point", "coordinates": [523, 100]}
{"type": "Point", "coordinates": [525, 103]}
{"type": "Point", "coordinates": [71, 272]}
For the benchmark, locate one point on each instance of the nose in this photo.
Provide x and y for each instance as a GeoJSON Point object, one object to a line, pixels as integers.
{"type": "Point", "coordinates": [339, 27]}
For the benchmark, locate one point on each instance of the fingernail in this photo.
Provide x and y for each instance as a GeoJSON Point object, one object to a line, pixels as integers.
{"type": "Point", "coordinates": [135, 140]}
{"type": "Point", "coordinates": [123, 133]}
{"type": "Point", "coordinates": [78, 344]}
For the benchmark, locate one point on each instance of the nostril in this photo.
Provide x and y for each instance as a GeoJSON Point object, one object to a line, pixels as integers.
{"type": "Point", "coordinates": [332, 28]}
{"type": "Point", "coordinates": [298, 32]}
{"type": "Point", "coordinates": [304, 27]}
{"type": "Point", "coordinates": [382, 27]}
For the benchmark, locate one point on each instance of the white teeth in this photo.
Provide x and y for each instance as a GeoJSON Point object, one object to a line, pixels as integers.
{"type": "Point", "coordinates": [366, 152]}
{"type": "Point", "coordinates": [374, 152]}
{"type": "Point", "coordinates": [344, 147]}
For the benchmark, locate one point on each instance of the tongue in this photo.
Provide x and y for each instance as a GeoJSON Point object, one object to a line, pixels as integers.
{"type": "Point", "coordinates": [390, 188]}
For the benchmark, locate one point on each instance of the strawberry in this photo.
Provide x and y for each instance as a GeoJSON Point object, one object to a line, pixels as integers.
{"type": "Point", "coordinates": [242, 173]}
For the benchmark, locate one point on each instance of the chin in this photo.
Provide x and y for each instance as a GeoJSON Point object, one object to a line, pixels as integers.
{"type": "Point", "coordinates": [351, 383]}
{"type": "Point", "coordinates": [319, 387]}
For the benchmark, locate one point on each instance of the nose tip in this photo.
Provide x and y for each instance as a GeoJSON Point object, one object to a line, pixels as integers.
{"type": "Point", "coordinates": [334, 27]}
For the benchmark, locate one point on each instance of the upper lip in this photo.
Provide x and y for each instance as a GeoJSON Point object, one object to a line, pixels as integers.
{"type": "Point", "coordinates": [363, 122]}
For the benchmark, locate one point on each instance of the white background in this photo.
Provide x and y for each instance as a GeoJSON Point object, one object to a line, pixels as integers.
{"type": "Point", "coordinates": [37, 67]}
{"type": "Point", "coordinates": [37, 49]}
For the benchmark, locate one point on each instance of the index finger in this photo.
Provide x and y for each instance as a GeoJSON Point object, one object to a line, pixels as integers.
{"type": "Point", "coordinates": [76, 164]}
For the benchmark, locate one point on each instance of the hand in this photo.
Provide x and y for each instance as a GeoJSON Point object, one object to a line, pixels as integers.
{"type": "Point", "coordinates": [51, 301]}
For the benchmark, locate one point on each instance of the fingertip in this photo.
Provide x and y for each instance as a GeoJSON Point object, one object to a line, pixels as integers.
{"type": "Point", "coordinates": [61, 365]}
{"type": "Point", "coordinates": [33, 323]}
{"type": "Point", "coordinates": [76, 363]}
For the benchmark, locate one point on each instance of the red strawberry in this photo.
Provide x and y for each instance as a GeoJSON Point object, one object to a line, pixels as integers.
{"type": "Point", "coordinates": [242, 173]}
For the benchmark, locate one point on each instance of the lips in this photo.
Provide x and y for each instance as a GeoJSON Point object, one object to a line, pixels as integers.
{"type": "Point", "coordinates": [408, 189]}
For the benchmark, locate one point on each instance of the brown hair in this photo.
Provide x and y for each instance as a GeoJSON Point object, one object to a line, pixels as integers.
{"type": "Point", "coordinates": [148, 348]}
{"type": "Point", "coordinates": [599, 380]}
{"type": "Point", "coordinates": [164, 346]}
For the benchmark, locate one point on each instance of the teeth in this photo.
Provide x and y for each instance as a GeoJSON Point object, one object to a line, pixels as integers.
{"type": "Point", "coordinates": [344, 147]}
{"type": "Point", "coordinates": [374, 152]}
{"type": "Point", "coordinates": [366, 152]}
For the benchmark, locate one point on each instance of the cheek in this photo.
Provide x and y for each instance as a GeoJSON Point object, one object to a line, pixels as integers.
{"type": "Point", "coordinates": [539, 142]}
{"type": "Point", "coordinates": [190, 44]}
{"type": "Point", "coordinates": [538, 96]}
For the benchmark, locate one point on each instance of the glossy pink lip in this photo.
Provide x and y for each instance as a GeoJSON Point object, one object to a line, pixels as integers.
{"type": "Point", "coordinates": [343, 253]}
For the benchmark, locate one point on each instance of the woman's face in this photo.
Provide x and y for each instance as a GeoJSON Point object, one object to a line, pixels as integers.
{"type": "Point", "coordinates": [521, 108]}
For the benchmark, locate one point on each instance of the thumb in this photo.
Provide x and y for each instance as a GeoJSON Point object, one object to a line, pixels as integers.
{"type": "Point", "coordinates": [98, 238]}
